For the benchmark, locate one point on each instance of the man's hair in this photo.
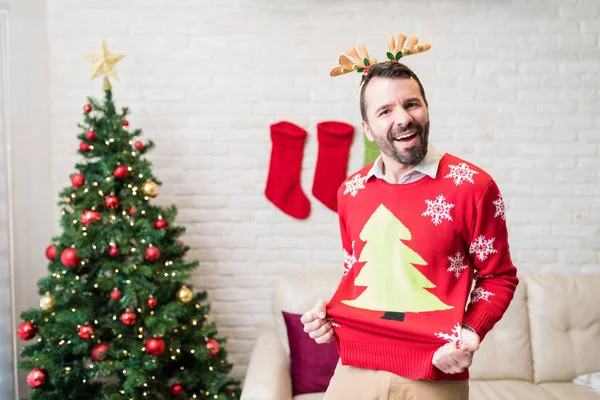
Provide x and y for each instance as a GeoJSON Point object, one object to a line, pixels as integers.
{"type": "Point", "coordinates": [389, 70]}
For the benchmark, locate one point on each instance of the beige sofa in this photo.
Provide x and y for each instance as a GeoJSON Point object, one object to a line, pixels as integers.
{"type": "Point", "coordinates": [549, 335]}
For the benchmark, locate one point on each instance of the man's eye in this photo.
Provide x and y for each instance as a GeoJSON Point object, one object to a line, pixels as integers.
{"type": "Point", "coordinates": [411, 105]}
{"type": "Point", "coordinates": [384, 112]}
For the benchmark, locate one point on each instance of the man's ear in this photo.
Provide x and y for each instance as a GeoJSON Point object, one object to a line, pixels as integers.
{"type": "Point", "coordinates": [367, 131]}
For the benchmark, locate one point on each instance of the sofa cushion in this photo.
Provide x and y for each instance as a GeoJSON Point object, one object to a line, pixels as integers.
{"type": "Point", "coordinates": [311, 365]}
{"type": "Point", "coordinates": [505, 353]}
{"type": "Point", "coordinates": [298, 294]}
{"type": "Point", "coordinates": [568, 391]}
{"type": "Point", "coordinates": [565, 331]}
{"type": "Point", "coordinates": [506, 390]}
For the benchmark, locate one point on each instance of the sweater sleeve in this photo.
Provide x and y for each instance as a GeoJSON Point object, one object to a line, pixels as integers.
{"type": "Point", "coordinates": [495, 275]}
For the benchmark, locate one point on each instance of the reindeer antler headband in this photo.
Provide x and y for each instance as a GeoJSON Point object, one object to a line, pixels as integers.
{"type": "Point", "coordinates": [362, 62]}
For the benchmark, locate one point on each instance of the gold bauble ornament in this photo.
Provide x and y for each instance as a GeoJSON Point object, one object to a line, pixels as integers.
{"type": "Point", "coordinates": [184, 294]}
{"type": "Point", "coordinates": [47, 302]}
{"type": "Point", "coordinates": [150, 188]}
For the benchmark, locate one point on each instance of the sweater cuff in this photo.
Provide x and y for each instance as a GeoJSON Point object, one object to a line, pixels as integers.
{"type": "Point", "coordinates": [479, 321]}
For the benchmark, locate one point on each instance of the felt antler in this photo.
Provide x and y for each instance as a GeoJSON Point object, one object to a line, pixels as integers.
{"type": "Point", "coordinates": [398, 51]}
{"type": "Point", "coordinates": [361, 63]}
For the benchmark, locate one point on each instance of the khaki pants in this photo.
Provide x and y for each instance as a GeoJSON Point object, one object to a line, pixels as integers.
{"type": "Point", "coordinates": [349, 383]}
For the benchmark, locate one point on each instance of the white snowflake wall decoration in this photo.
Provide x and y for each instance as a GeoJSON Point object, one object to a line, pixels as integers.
{"type": "Point", "coordinates": [499, 203]}
{"type": "Point", "coordinates": [349, 260]}
{"type": "Point", "coordinates": [453, 337]}
{"type": "Point", "coordinates": [355, 184]}
{"type": "Point", "coordinates": [480, 294]}
{"type": "Point", "coordinates": [438, 210]}
{"type": "Point", "coordinates": [482, 247]}
{"type": "Point", "coordinates": [461, 173]}
{"type": "Point", "coordinates": [456, 264]}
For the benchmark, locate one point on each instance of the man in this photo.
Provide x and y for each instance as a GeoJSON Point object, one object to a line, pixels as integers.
{"type": "Point", "coordinates": [418, 227]}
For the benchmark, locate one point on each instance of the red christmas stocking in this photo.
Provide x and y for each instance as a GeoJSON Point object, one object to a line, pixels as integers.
{"type": "Point", "coordinates": [335, 139]}
{"type": "Point", "coordinates": [283, 183]}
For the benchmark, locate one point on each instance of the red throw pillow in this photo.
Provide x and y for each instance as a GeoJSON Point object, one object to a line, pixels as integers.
{"type": "Point", "coordinates": [312, 364]}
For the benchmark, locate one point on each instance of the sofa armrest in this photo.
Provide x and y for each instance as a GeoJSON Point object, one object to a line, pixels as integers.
{"type": "Point", "coordinates": [268, 374]}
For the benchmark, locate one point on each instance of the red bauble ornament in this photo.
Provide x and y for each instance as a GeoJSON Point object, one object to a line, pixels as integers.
{"type": "Point", "coordinates": [99, 352]}
{"type": "Point", "coordinates": [37, 377]}
{"type": "Point", "coordinates": [77, 180]}
{"type": "Point", "coordinates": [161, 224]}
{"type": "Point", "coordinates": [120, 172]}
{"type": "Point", "coordinates": [132, 210]}
{"type": "Point", "coordinates": [115, 295]}
{"type": "Point", "coordinates": [90, 216]}
{"type": "Point", "coordinates": [86, 332]}
{"type": "Point", "coordinates": [69, 257]}
{"type": "Point", "coordinates": [27, 330]}
{"type": "Point", "coordinates": [155, 346]}
{"type": "Point", "coordinates": [111, 202]}
{"type": "Point", "coordinates": [51, 252]}
{"type": "Point", "coordinates": [152, 302]}
{"type": "Point", "coordinates": [125, 123]}
{"type": "Point", "coordinates": [177, 389]}
{"type": "Point", "coordinates": [152, 253]}
{"type": "Point", "coordinates": [213, 347]}
{"type": "Point", "coordinates": [113, 252]}
{"type": "Point", "coordinates": [87, 108]}
{"type": "Point", "coordinates": [138, 145]}
{"type": "Point", "coordinates": [128, 318]}
{"type": "Point", "coordinates": [83, 146]}
{"type": "Point", "coordinates": [90, 135]}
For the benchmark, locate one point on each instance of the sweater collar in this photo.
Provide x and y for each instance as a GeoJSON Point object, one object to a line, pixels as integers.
{"type": "Point", "coordinates": [428, 165]}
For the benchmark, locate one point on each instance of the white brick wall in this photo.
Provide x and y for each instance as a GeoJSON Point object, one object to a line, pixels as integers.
{"type": "Point", "coordinates": [513, 86]}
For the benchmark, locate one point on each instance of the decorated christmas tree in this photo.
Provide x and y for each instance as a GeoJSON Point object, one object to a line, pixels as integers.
{"type": "Point", "coordinates": [118, 318]}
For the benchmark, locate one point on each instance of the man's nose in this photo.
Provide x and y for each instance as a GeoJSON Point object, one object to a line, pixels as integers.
{"type": "Point", "coordinates": [402, 118]}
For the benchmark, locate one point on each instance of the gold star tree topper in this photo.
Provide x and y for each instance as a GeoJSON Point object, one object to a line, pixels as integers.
{"type": "Point", "coordinates": [103, 63]}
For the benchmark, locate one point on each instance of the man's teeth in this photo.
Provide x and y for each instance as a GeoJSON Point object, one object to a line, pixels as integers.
{"type": "Point", "coordinates": [405, 136]}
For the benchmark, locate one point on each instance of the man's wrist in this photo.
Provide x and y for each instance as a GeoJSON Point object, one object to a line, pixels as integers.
{"type": "Point", "coordinates": [467, 327]}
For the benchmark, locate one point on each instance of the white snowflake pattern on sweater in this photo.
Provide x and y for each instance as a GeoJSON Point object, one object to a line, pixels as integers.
{"type": "Point", "coordinates": [461, 173]}
{"type": "Point", "coordinates": [349, 260]}
{"type": "Point", "coordinates": [438, 210]}
{"type": "Point", "coordinates": [500, 212]}
{"type": "Point", "coordinates": [482, 247]}
{"type": "Point", "coordinates": [457, 264]}
{"type": "Point", "coordinates": [333, 323]}
{"type": "Point", "coordinates": [480, 294]}
{"type": "Point", "coordinates": [355, 184]}
{"type": "Point", "coordinates": [453, 337]}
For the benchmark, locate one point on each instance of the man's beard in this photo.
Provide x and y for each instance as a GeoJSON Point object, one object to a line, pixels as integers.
{"type": "Point", "coordinates": [411, 155]}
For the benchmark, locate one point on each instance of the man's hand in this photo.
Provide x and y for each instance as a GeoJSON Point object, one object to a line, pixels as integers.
{"type": "Point", "coordinates": [452, 360]}
{"type": "Point", "coordinates": [316, 324]}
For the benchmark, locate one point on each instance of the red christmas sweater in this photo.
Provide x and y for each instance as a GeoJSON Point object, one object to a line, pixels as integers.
{"type": "Point", "coordinates": [412, 253]}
